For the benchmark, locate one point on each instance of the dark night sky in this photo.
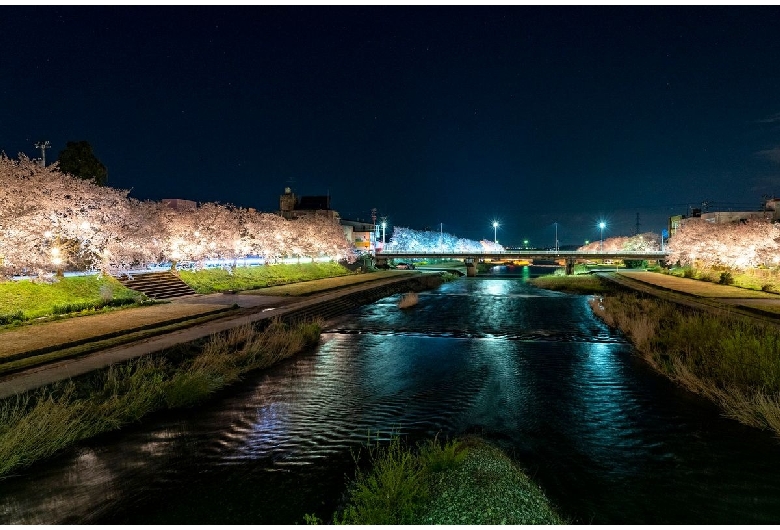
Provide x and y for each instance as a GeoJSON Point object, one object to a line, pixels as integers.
{"type": "Point", "coordinates": [454, 115]}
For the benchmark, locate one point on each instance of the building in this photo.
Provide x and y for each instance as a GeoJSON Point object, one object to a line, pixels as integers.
{"type": "Point", "coordinates": [180, 204]}
{"type": "Point", "coordinates": [362, 235]}
{"type": "Point", "coordinates": [292, 206]}
{"type": "Point", "coordinates": [771, 212]}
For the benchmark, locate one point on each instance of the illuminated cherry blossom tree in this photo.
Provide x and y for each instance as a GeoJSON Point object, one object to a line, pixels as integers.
{"type": "Point", "coordinates": [639, 243]}
{"type": "Point", "coordinates": [408, 240]}
{"type": "Point", "coordinates": [53, 221]}
{"type": "Point", "coordinates": [702, 244]}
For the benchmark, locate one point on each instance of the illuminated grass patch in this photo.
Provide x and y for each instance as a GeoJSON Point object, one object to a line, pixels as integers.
{"type": "Point", "coordinates": [246, 278]}
{"type": "Point", "coordinates": [574, 284]}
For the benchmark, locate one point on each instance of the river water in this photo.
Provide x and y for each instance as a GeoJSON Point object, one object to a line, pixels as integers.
{"type": "Point", "coordinates": [530, 370]}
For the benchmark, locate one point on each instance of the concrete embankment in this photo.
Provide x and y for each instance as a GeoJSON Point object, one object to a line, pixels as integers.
{"type": "Point", "coordinates": [326, 305]}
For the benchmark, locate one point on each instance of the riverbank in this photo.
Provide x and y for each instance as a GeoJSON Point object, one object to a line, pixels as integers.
{"type": "Point", "coordinates": [115, 388]}
{"type": "Point", "coordinates": [465, 481]}
{"type": "Point", "coordinates": [730, 360]}
{"type": "Point", "coordinates": [715, 340]}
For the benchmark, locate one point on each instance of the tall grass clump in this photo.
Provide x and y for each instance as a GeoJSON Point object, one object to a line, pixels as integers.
{"type": "Point", "coordinates": [408, 300]}
{"type": "Point", "coordinates": [454, 482]}
{"type": "Point", "coordinates": [36, 425]}
{"type": "Point", "coordinates": [391, 491]}
{"type": "Point", "coordinates": [730, 359]}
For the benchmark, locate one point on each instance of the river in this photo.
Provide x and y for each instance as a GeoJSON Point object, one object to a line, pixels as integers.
{"type": "Point", "coordinates": [533, 371]}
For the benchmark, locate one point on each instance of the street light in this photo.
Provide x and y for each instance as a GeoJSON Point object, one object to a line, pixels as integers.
{"type": "Point", "coordinates": [602, 225]}
{"type": "Point", "coordinates": [384, 224]}
{"type": "Point", "coordinates": [556, 237]}
{"type": "Point", "coordinates": [495, 227]}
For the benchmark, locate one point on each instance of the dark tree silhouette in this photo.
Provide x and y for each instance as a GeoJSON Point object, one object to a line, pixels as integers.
{"type": "Point", "coordinates": [78, 160]}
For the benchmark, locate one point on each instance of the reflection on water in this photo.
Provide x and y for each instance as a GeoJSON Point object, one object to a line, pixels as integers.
{"type": "Point", "coordinates": [531, 370]}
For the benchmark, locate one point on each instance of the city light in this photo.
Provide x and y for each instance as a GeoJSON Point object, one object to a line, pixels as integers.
{"type": "Point", "coordinates": [495, 228]}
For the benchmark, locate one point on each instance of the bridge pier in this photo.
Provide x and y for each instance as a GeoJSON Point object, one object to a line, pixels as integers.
{"type": "Point", "coordinates": [569, 266]}
{"type": "Point", "coordinates": [471, 267]}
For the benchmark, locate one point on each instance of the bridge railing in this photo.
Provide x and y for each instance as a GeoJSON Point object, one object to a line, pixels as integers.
{"type": "Point", "coordinates": [659, 253]}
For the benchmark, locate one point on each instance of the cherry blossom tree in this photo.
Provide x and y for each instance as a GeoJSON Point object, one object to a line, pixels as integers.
{"type": "Point", "coordinates": [54, 221]}
{"type": "Point", "coordinates": [408, 240]}
{"type": "Point", "coordinates": [703, 244]}
{"type": "Point", "coordinates": [638, 243]}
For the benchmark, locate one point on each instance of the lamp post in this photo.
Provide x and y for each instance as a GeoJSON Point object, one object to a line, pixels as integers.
{"type": "Point", "coordinates": [602, 225]}
{"type": "Point", "coordinates": [384, 224]}
{"type": "Point", "coordinates": [556, 237]}
{"type": "Point", "coordinates": [495, 227]}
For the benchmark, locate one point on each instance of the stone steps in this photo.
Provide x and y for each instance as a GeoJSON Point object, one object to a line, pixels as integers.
{"type": "Point", "coordinates": [157, 285]}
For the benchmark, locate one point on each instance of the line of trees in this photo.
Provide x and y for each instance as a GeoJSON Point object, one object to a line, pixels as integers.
{"type": "Point", "coordinates": [52, 220]}
{"type": "Point", "coordinates": [408, 240]}
{"type": "Point", "coordinates": [740, 246]}
{"type": "Point", "coordinates": [705, 245]}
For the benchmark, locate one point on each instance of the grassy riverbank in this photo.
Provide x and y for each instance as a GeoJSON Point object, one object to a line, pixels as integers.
{"type": "Point", "coordinates": [22, 301]}
{"type": "Point", "coordinates": [573, 284]}
{"type": "Point", "coordinates": [459, 482]}
{"type": "Point", "coordinates": [246, 278]}
{"type": "Point", "coordinates": [37, 425]}
{"type": "Point", "coordinates": [733, 361]}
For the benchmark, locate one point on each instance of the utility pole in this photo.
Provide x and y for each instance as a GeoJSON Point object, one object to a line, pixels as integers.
{"type": "Point", "coordinates": [43, 146]}
{"type": "Point", "coordinates": [376, 228]}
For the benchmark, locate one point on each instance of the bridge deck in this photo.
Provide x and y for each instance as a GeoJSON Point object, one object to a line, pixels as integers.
{"type": "Point", "coordinates": [527, 254]}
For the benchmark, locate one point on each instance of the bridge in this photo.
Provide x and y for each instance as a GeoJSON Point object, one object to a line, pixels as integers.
{"type": "Point", "coordinates": [569, 257]}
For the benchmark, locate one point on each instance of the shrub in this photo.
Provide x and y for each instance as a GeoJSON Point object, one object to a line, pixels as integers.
{"type": "Point", "coordinates": [391, 492]}
{"type": "Point", "coordinates": [726, 278]}
{"type": "Point", "coordinates": [689, 272]}
{"type": "Point", "coordinates": [11, 317]}
{"type": "Point", "coordinates": [769, 288]}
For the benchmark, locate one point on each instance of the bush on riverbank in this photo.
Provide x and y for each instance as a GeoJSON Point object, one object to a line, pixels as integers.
{"type": "Point", "coordinates": [36, 425]}
{"type": "Point", "coordinates": [573, 284]}
{"type": "Point", "coordinates": [25, 300]}
{"type": "Point", "coordinates": [457, 482]}
{"type": "Point", "coordinates": [730, 360]}
{"type": "Point", "coordinates": [245, 278]}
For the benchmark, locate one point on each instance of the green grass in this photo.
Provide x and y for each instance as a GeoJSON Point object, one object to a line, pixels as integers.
{"type": "Point", "coordinates": [751, 279]}
{"type": "Point", "coordinates": [26, 300]}
{"type": "Point", "coordinates": [246, 278]}
{"type": "Point", "coordinates": [326, 284]}
{"type": "Point", "coordinates": [457, 482]}
{"type": "Point", "coordinates": [36, 425]}
{"type": "Point", "coordinates": [574, 284]}
{"type": "Point", "coordinates": [732, 360]}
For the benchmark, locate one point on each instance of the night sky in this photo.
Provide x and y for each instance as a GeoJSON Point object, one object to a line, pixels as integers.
{"type": "Point", "coordinates": [453, 115]}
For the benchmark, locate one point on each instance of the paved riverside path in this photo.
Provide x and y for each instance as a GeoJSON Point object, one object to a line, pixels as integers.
{"type": "Point", "coordinates": [265, 307]}
{"type": "Point", "coordinates": [757, 305]}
